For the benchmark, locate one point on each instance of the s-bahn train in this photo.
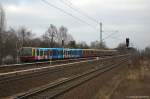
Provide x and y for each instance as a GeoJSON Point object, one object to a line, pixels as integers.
{"type": "Point", "coordinates": [30, 54]}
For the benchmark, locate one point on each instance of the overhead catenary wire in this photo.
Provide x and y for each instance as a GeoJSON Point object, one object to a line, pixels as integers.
{"type": "Point", "coordinates": [75, 17]}
{"type": "Point", "coordinates": [115, 38]}
{"type": "Point", "coordinates": [133, 44]}
{"type": "Point", "coordinates": [110, 35]}
{"type": "Point", "coordinates": [70, 5]}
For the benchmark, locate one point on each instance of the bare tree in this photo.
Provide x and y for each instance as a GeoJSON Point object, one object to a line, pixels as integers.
{"type": "Point", "coordinates": [9, 46]}
{"type": "Point", "coordinates": [83, 45]}
{"type": "Point", "coordinates": [146, 53]}
{"type": "Point", "coordinates": [97, 45]}
{"type": "Point", "coordinates": [24, 37]}
{"type": "Point", "coordinates": [62, 36]}
{"type": "Point", "coordinates": [2, 28]}
{"type": "Point", "coordinates": [51, 35]}
{"type": "Point", "coordinates": [69, 38]}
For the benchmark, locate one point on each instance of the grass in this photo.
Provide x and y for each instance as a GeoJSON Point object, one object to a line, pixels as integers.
{"type": "Point", "coordinates": [133, 83]}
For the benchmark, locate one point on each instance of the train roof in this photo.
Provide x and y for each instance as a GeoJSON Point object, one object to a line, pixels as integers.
{"type": "Point", "coordinates": [71, 49]}
{"type": "Point", "coordinates": [101, 49]}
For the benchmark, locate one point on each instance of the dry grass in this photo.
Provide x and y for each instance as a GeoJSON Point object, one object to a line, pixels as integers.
{"type": "Point", "coordinates": [135, 83]}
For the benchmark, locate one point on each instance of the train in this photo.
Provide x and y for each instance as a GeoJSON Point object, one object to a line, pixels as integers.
{"type": "Point", "coordinates": [31, 54]}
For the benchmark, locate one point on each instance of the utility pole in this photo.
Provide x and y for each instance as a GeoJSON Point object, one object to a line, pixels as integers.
{"type": "Point", "coordinates": [101, 34]}
{"type": "Point", "coordinates": [2, 20]}
{"type": "Point", "coordinates": [0, 45]}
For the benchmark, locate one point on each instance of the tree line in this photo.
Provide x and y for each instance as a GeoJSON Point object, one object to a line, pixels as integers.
{"type": "Point", "coordinates": [14, 39]}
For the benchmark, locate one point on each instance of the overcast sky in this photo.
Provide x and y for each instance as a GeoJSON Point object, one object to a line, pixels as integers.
{"type": "Point", "coordinates": [131, 18]}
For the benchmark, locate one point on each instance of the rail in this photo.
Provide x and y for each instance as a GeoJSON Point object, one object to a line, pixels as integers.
{"type": "Point", "coordinates": [17, 67]}
{"type": "Point", "coordinates": [34, 70]}
{"type": "Point", "coordinates": [59, 87]}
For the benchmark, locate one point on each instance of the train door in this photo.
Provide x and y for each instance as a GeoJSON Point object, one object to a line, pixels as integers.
{"type": "Point", "coordinates": [45, 54]}
{"type": "Point", "coordinates": [50, 54]}
{"type": "Point", "coordinates": [55, 54]}
{"type": "Point", "coordinates": [33, 52]}
{"type": "Point", "coordinates": [41, 54]}
{"type": "Point", "coordinates": [38, 54]}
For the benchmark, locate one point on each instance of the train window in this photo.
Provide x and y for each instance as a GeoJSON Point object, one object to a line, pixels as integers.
{"type": "Point", "coordinates": [45, 53]}
{"type": "Point", "coordinates": [37, 51]}
{"type": "Point", "coordinates": [63, 52]}
{"type": "Point", "coordinates": [67, 53]}
{"type": "Point", "coordinates": [26, 52]}
{"type": "Point", "coordinates": [60, 52]}
{"type": "Point", "coordinates": [74, 52]}
{"type": "Point", "coordinates": [41, 52]}
{"type": "Point", "coordinates": [57, 52]}
{"type": "Point", "coordinates": [54, 52]}
{"type": "Point", "coordinates": [71, 52]}
{"type": "Point", "coordinates": [49, 52]}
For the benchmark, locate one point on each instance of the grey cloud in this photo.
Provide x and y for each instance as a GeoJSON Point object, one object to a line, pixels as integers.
{"type": "Point", "coordinates": [132, 19]}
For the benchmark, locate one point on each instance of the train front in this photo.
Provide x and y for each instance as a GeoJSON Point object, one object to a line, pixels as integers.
{"type": "Point", "coordinates": [26, 54]}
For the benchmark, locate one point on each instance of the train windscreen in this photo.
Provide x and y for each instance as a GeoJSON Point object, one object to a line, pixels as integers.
{"type": "Point", "coordinates": [26, 52]}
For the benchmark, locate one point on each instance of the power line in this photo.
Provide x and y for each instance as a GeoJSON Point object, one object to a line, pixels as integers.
{"type": "Point", "coordinates": [84, 14]}
{"type": "Point", "coordinates": [48, 3]}
{"type": "Point", "coordinates": [115, 38]}
{"type": "Point", "coordinates": [70, 5]}
{"type": "Point", "coordinates": [110, 35]}
{"type": "Point", "coordinates": [134, 44]}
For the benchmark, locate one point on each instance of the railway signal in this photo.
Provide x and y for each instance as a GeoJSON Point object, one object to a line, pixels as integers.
{"type": "Point", "coordinates": [127, 42]}
{"type": "Point", "coordinates": [63, 43]}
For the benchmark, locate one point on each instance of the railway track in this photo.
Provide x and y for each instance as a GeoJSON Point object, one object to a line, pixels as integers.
{"type": "Point", "coordinates": [63, 71]}
{"type": "Point", "coordinates": [23, 66]}
{"type": "Point", "coordinates": [22, 83]}
{"type": "Point", "coordinates": [57, 88]}
{"type": "Point", "coordinates": [12, 75]}
{"type": "Point", "coordinates": [21, 74]}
